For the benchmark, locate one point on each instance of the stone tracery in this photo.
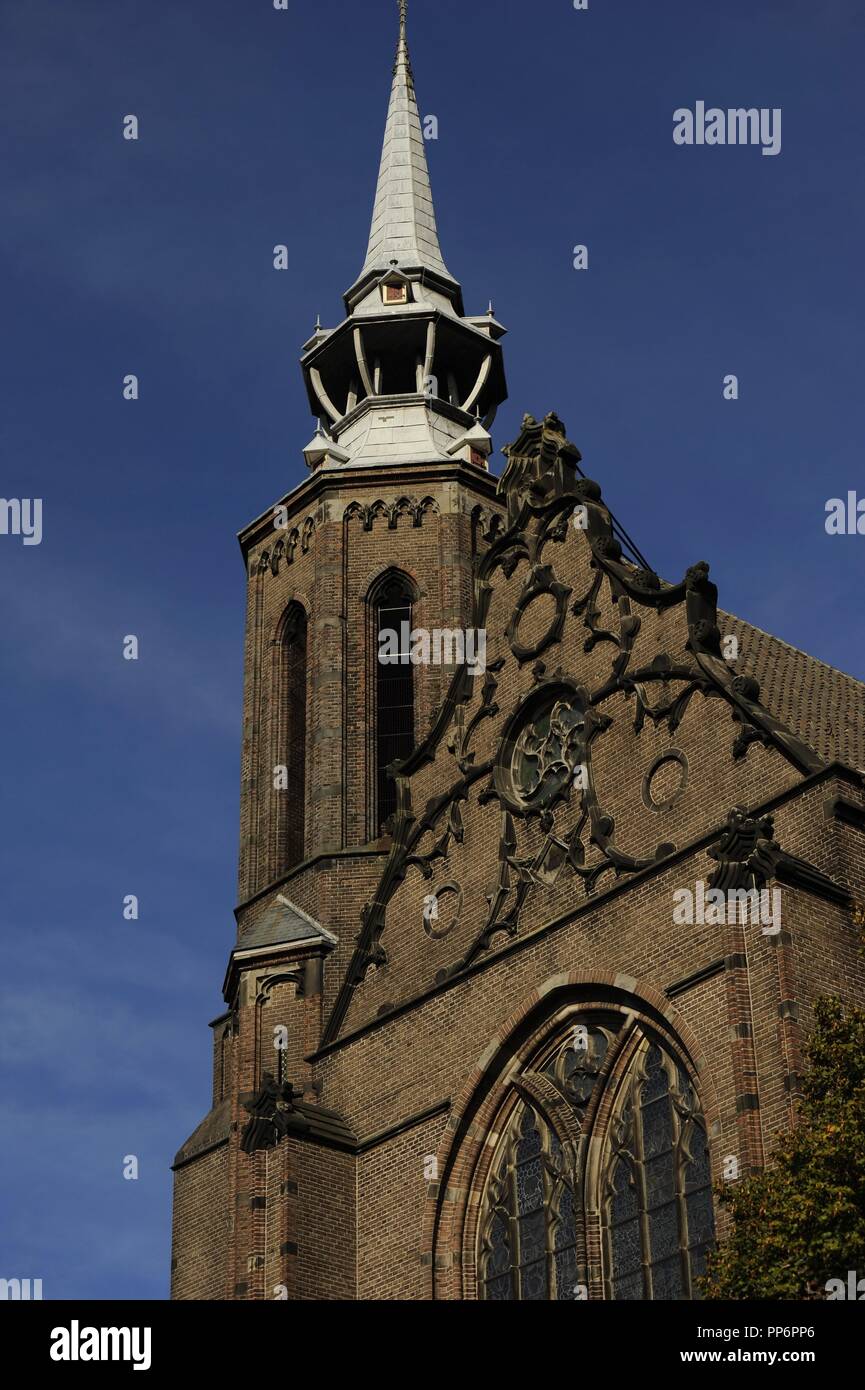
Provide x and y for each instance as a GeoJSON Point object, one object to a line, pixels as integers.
{"type": "Point", "coordinates": [541, 772]}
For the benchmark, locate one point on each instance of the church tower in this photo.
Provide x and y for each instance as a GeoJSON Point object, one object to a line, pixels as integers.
{"type": "Point", "coordinates": [382, 533]}
{"type": "Point", "coordinates": [544, 859]}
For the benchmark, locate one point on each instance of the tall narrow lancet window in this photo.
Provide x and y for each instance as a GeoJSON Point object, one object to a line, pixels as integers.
{"type": "Point", "coordinates": [656, 1184]}
{"type": "Point", "coordinates": [635, 1223]}
{"type": "Point", "coordinates": [528, 1232]}
{"type": "Point", "coordinates": [394, 734]}
{"type": "Point", "coordinates": [532, 1215]}
{"type": "Point", "coordinates": [291, 738]}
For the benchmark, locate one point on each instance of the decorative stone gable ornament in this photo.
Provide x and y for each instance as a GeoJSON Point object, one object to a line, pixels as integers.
{"type": "Point", "coordinates": [541, 464]}
{"type": "Point", "coordinates": [748, 857]}
{"type": "Point", "coordinates": [274, 1115]}
{"type": "Point", "coordinates": [538, 767]}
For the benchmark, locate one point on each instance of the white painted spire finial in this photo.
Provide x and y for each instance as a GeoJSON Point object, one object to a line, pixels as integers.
{"type": "Point", "coordinates": [403, 220]}
{"type": "Point", "coordinates": [402, 53]}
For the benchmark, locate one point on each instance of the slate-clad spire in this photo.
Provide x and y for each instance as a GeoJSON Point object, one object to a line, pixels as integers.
{"type": "Point", "coordinates": [406, 376]}
{"type": "Point", "coordinates": [403, 220]}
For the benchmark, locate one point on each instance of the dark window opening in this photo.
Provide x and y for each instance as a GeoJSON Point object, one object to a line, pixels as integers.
{"type": "Point", "coordinates": [394, 692]}
{"type": "Point", "coordinates": [292, 751]}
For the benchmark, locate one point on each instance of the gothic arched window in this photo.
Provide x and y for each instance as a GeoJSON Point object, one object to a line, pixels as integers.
{"type": "Point", "coordinates": [528, 1237]}
{"type": "Point", "coordinates": [643, 1201]}
{"type": "Point", "coordinates": [291, 738]}
{"type": "Point", "coordinates": [656, 1184]}
{"type": "Point", "coordinates": [393, 683]}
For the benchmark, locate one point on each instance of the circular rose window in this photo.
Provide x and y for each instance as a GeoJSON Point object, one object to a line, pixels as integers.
{"type": "Point", "coordinates": [542, 751]}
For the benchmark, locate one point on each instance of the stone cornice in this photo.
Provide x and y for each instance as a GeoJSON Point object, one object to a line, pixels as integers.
{"type": "Point", "coordinates": [283, 953]}
{"type": "Point", "coordinates": [372, 478]}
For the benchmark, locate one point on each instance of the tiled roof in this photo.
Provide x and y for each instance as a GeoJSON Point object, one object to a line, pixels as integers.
{"type": "Point", "coordinates": [283, 922]}
{"type": "Point", "coordinates": [825, 707]}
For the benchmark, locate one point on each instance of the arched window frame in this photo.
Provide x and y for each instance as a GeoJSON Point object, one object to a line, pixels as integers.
{"type": "Point", "coordinates": [384, 595]}
{"type": "Point", "coordinates": [627, 1151]}
{"type": "Point", "coordinates": [585, 1145]}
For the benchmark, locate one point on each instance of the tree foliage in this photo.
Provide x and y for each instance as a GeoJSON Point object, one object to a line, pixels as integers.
{"type": "Point", "coordinates": [801, 1222]}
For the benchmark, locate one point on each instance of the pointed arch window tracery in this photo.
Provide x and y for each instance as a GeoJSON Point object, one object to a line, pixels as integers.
{"type": "Point", "coordinates": [621, 1205]}
{"type": "Point", "coordinates": [656, 1200]}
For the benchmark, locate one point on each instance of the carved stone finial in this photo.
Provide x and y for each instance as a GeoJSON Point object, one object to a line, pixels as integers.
{"type": "Point", "coordinates": [748, 857]}
{"type": "Point", "coordinates": [552, 422]}
{"type": "Point", "coordinates": [273, 1113]}
{"type": "Point", "coordinates": [747, 853]}
{"type": "Point", "coordinates": [697, 574]}
{"type": "Point", "coordinates": [747, 687]}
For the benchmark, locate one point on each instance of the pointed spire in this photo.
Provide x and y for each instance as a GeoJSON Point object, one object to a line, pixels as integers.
{"type": "Point", "coordinates": [403, 220]}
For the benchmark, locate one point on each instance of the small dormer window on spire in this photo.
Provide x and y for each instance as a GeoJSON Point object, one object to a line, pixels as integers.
{"type": "Point", "coordinates": [395, 287]}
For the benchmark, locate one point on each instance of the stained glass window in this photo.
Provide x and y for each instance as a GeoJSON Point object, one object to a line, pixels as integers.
{"type": "Point", "coordinates": [527, 1244]}
{"type": "Point", "coordinates": [655, 1200]}
{"type": "Point", "coordinates": [528, 1233]}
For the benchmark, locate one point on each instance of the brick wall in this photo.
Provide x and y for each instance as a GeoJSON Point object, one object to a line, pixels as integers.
{"type": "Point", "coordinates": [413, 1068]}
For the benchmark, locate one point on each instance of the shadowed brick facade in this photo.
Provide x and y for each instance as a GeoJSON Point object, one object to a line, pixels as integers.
{"type": "Point", "coordinates": [391, 1087]}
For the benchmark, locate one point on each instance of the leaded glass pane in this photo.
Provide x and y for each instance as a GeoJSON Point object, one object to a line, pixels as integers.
{"type": "Point", "coordinates": [667, 1279]}
{"type": "Point", "coordinates": [697, 1172]}
{"type": "Point", "coordinates": [533, 1282]}
{"type": "Point", "coordinates": [627, 1248]}
{"type": "Point", "coordinates": [630, 1288]}
{"type": "Point", "coordinates": [500, 1253]}
{"type": "Point", "coordinates": [685, 1089]}
{"type": "Point", "coordinates": [530, 1144]}
{"type": "Point", "coordinates": [624, 1203]}
{"type": "Point", "coordinates": [662, 1219]}
{"type": "Point", "coordinates": [664, 1231]}
{"type": "Point", "coordinates": [530, 1186]}
{"type": "Point", "coordinates": [701, 1222]}
{"type": "Point", "coordinates": [566, 1273]}
{"type": "Point", "coordinates": [660, 1180]}
{"type": "Point", "coordinates": [657, 1121]}
{"type": "Point", "coordinates": [656, 1083]}
{"type": "Point", "coordinates": [533, 1230]}
{"type": "Point", "coordinates": [499, 1290]}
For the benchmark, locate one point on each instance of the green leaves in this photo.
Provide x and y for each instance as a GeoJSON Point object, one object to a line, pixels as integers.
{"type": "Point", "coordinates": [802, 1221]}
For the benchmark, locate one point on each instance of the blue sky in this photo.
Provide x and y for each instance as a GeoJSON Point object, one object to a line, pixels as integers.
{"type": "Point", "coordinates": [260, 127]}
